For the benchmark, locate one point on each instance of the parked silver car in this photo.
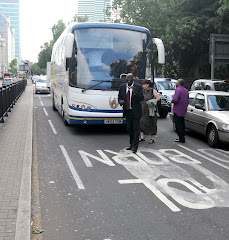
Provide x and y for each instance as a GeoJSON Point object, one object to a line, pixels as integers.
{"type": "Point", "coordinates": [208, 114]}
{"type": "Point", "coordinates": [206, 84]}
{"type": "Point", "coordinates": [41, 85]}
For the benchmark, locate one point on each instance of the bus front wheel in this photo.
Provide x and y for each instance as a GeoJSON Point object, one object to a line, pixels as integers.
{"type": "Point", "coordinates": [53, 105]}
{"type": "Point", "coordinates": [65, 121]}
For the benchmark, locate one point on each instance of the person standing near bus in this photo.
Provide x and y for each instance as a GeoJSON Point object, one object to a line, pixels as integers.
{"type": "Point", "coordinates": [130, 97]}
{"type": "Point", "coordinates": [180, 101]}
{"type": "Point", "coordinates": [148, 122]}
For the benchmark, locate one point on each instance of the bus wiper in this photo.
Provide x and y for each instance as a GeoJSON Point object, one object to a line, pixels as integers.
{"type": "Point", "coordinates": [100, 81]}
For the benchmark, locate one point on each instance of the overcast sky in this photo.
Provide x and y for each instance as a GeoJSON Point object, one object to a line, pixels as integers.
{"type": "Point", "coordinates": [37, 19]}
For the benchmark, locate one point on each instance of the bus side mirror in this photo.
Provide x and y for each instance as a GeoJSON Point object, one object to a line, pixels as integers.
{"type": "Point", "coordinates": [161, 50]}
{"type": "Point", "coordinates": [69, 41]}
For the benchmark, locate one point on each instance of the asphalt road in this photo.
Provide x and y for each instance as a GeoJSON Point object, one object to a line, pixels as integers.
{"type": "Point", "coordinates": [90, 187]}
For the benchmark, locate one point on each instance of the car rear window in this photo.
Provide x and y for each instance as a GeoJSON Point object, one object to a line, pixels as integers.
{"type": "Point", "coordinates": [220, 87]}
{"type": "Point", "coordinates": [41, 80]}
{"type": "Point", "coordinates": [218, 103]}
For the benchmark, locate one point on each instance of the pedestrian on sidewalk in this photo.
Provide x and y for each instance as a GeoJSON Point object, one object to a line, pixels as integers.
{"type": "Point", "coordinates": [130, 97]}
{"type": "Point", "coordinates": [148, 122]}
{"type": "Point", "coordinates": [180, 101]}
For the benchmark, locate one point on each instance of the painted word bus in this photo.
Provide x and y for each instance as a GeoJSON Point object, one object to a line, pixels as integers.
{"type": "Point", "coordinates": [88, 63]}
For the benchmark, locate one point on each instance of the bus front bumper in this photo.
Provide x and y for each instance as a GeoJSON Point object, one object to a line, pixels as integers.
{"type": "Point", "coordinates": [94, 121]}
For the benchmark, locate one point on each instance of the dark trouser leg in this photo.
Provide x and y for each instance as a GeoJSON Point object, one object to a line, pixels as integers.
{"type": "Point", "coordinates": [129, 124]}
{"type": "Point", "coordinates": [180, 127]}
{"type": "Point", "coordinates": [136, 132]}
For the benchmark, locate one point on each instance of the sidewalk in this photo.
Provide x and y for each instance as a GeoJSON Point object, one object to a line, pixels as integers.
{"type": "Point", "coordinates": [15, 169]}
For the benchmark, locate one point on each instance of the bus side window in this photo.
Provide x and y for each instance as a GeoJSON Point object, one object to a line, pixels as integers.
{"type": "Point", "coordinates": [73, 67]}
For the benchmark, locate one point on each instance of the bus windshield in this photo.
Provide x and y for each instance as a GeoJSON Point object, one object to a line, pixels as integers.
{"type": "Point", "coordinates": [101, 55]}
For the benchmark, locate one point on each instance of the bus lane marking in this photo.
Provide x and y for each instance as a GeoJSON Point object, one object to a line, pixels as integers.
{"type": "Point", "coordinates": [46, 113]}
{"type": "Point", "coordinates": [224, 158]}
{"type": "Point", "coordinates": [72, 169]}
{"type": "Point", "coordinates": [53, 128]}
{"type": "Point", "coordinates": [223, 151]}
{"type": "Point", "coordinates": [154, 190]}
{"type": "Point", "coordinates": [39, 98]}
{"type": "Point", "coordinates": [201, 155]}
{"type": "Point", "coordinates": [162, 173]}
{"type": "Point", "coordinates": [41, 103]}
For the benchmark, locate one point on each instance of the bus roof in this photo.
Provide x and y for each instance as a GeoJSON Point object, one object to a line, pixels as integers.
{"type": "Point", "coordinates": [75, 26]}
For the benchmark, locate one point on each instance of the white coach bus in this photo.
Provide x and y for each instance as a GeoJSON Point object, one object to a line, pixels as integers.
{"type": "Point", "coordinates": [87, 63]}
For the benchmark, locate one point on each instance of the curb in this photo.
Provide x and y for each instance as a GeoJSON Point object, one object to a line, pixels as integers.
{"type": "Point", "coordinates": [23, 223]}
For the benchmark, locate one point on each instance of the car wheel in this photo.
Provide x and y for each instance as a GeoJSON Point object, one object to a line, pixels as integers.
{"type": "Point", "coordinates": [163, 114]}
{"type": "Point", "coordinates": [213, 137]}
{"type": "Point", "coordinates": [53, 105]}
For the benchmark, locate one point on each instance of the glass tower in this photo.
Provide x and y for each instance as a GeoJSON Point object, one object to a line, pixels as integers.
{"type": "Point", "coordinates": [94, 9]}
{"type": "Point", "coordinates": [11, 8]}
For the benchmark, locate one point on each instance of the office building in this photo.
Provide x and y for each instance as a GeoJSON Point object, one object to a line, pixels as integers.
{"type": "Point", "coordinates": [94, 9]}
{"type": "Point", "coordinates": [7, 40]}
{"type": "Point", "coordinates": [11, 9]}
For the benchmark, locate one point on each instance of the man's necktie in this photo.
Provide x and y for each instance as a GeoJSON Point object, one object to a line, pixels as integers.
{"type": "Point", "coordinates": [128, 99]}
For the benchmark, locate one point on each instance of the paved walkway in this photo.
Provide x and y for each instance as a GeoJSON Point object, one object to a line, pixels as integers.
{"type": "Point", "coordinates": [15, 169]}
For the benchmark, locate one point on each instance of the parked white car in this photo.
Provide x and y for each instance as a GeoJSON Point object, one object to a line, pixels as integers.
{"type": "Point", "coordinates": [167, 87]}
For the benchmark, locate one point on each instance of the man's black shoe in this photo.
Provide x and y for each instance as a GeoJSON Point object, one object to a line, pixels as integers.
{"type": "Point", "coordinates": [128, 148]}
{"type": "Point", "coordinates": [134, 150]}
{"type": "Point", "coordinates": [177, 140]}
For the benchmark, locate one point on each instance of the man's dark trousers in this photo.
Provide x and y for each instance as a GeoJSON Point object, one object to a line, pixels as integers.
{"type": "Point", "coordinates": [180, 127]}
{"type": "Point", "coordinates": [133, 128]}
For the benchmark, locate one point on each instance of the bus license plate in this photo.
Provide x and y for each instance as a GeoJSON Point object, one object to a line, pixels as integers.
{"type": "Point", "coordinates": [113, 121]}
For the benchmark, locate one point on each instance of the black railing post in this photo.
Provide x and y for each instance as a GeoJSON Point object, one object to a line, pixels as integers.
{"type": "Point", "coordinates": [5, 101]}
{"type": "Point", "coordinates": [1, 106]}
{"type": "Point", "coordinates": [8, 97]}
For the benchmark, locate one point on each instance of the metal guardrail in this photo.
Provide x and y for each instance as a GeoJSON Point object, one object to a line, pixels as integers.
{"type": "Point", "coordinates": [9, 96]}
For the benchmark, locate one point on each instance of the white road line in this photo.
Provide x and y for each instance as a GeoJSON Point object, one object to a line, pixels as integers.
{"type": "Point", "coordinates": [223, 151]}
{"type": "Point", "coordinates": [53, 128]}
{"type": "Point", "coordinates": [41, 103]}
{"type": "Point", "coordinates": [46, 113]}
{"type": "Point", "coordinates": [72, 169]}
{"type": "Point", "coordinates": [152, 188]}
{"type": "Point", "coordinates": [208, 153]}
{"type": "Point", "coordinates": [201, 155]}
{"type": "Point", "coordinates": [39, 98]}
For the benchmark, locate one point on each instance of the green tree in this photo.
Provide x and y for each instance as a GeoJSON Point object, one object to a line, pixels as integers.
{"type": "Point", "coordinates": [77, 18]}
{"type": "Point", "coordinates": [45, 54]}
{"type": "Point", "coordinates": [36, 69]}
{"type": "Point", "coordinates": [57, 29]}
{"type": "Point", "coordinates": [13, 66]}
{"type": "Point", "coordinates": [224, 8]}
{"type": "Point", "coordinates": [46, 49]}
{"type": "Point", "coordinates": [184, 26]}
